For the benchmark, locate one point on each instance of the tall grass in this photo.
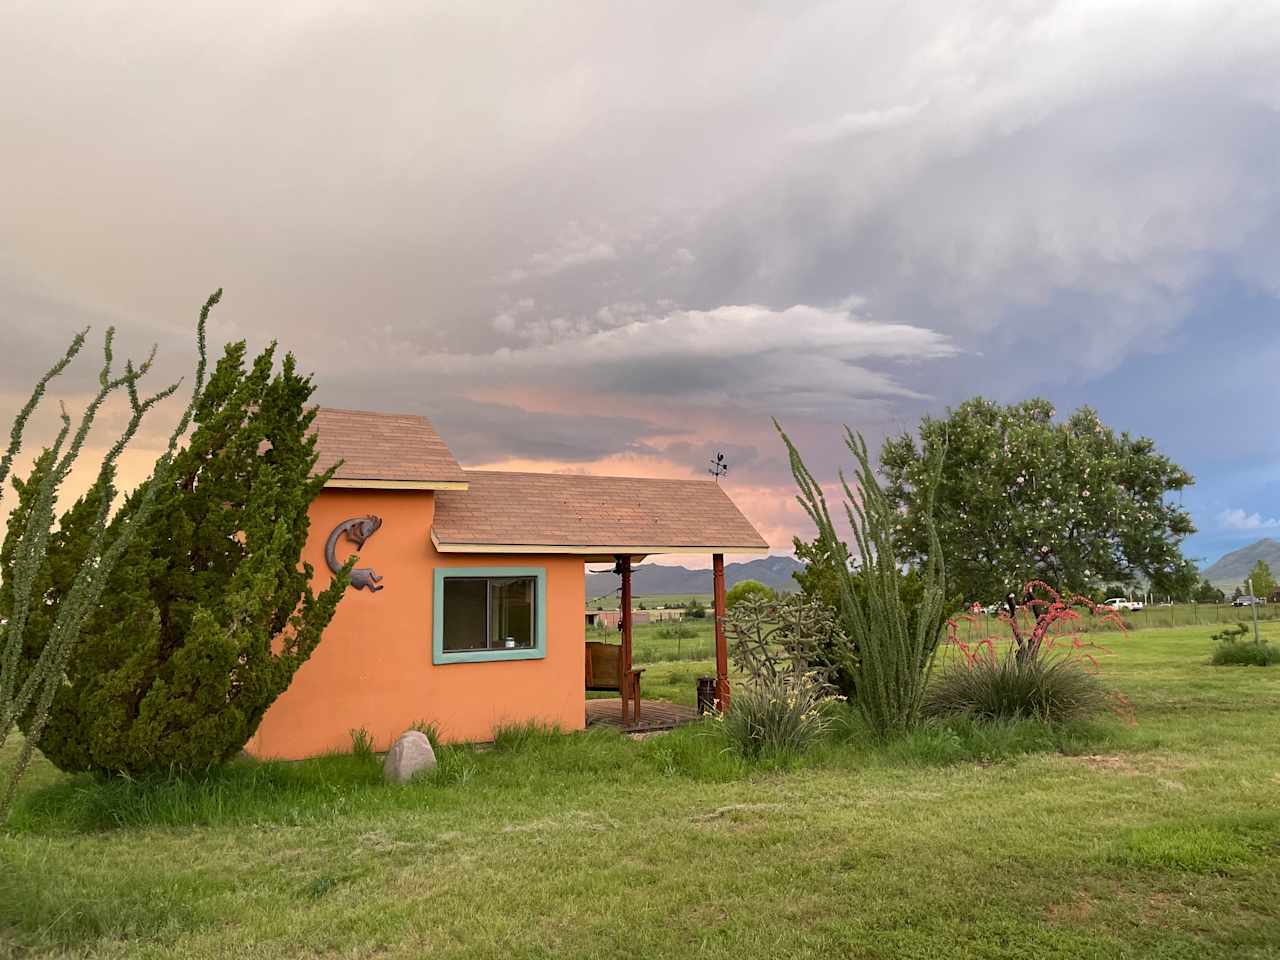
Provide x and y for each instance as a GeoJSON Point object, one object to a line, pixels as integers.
{"type": "Point", "coordinates": [526, 760]}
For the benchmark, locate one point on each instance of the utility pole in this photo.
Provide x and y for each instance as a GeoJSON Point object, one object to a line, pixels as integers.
{"type": "Point", "coordinates": [1254, 605]}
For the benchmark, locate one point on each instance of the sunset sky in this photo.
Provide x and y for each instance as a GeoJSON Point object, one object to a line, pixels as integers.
{"type": "Point", "coordinates": [620, 240]}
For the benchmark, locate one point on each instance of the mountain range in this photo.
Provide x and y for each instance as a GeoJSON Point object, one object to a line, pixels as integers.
{"type": "Point", "coordinates": [1230, 571]}
{"type": "Point", "coordinates": [655, 579]}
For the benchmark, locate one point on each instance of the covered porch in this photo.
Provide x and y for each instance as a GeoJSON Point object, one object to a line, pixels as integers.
{"type": "Point", "coordinates": [654, 715]}
{"type": "Point", "coordinates": [621, 520]}
{"type": "Point", "coordinates": [611, 666]}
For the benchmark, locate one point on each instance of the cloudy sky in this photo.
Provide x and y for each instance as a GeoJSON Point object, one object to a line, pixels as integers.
{"type": "Point", "coordinates": [616, 238]}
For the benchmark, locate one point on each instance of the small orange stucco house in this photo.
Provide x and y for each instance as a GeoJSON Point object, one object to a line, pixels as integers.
{"type": "Point", "coordinates": [468, 613]}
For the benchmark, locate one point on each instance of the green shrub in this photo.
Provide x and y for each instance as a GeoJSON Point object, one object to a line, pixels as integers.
{"type": "Point", "coordinates": [676, 631]}
{"type": "Point", "coordinates": [46, 602]}
{"type": "Point", "coordinates": [182, 656]}
{"type": "Point", "coordinates": [985, 687]}
{"type": "Point", "coordinates": [777, 716]}
{"type": "Point", "coordinates": [696, 609]}
{"type": "Point", "coordinates": [1236, 649]}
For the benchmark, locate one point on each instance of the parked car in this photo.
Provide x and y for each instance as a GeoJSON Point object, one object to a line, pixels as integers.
{"type": "Point", "coordinates": [1120, 603]}
{"type": "Point", "coordinates": [1246, 601]}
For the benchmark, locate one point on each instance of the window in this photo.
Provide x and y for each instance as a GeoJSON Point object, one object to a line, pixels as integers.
{"type": "Point", "coordinates": [489, 613]}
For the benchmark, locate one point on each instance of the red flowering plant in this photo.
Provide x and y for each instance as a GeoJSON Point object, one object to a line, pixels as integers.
{"type": "Point", "coordinates": [1045, 669]}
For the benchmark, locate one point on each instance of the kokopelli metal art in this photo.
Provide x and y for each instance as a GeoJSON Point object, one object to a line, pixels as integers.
{"type": "Point", "coordinates": [357, 530]}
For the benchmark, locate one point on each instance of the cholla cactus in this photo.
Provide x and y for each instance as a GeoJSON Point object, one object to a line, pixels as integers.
{"type": "Point", "coordinates": [784, 646]}
{"type": "Point", "coordinates": [29, 693]}
{"type": "Point", "coordinates": [773, 639]}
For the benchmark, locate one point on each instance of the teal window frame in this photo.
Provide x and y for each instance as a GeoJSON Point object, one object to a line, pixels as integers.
{"type": "Point", "coordinates": [538, 651]}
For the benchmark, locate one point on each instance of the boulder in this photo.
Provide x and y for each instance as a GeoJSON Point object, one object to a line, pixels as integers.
{"type": "Point", "coordinates": [410, 755]}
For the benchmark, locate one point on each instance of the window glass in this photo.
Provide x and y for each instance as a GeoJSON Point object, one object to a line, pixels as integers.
{"type": "Point", "coordinates": [465, 613]}
{"type": "Point", "coordinates": [511, 613]}
{"type": "Point", "coordinates": [488, 613]}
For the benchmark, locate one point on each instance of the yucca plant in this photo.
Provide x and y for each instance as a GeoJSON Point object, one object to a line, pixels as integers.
{"type": "Point", "coordinates": [777, 715]}
{"type": "Point", "coordinates": [892, 643]}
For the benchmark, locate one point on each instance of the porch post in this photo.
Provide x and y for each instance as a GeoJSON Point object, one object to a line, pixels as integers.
{"type": "Point", "coordinates": [625, 603]}
{"type": "Point", "coordinates": [722, 645]}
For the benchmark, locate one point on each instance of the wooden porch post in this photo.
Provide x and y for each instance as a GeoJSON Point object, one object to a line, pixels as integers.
{"type": "Point", "coordinates": [722, 645]}
{"type": "Point", "coordinates": [625, 679]}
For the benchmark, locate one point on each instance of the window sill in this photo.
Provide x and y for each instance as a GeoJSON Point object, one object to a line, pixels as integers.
{"type": "Point", "coordinates": [487, 656]}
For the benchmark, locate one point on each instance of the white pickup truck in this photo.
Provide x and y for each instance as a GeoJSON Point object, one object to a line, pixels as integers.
{"type": "Point", "coordinates": [1120, 603]}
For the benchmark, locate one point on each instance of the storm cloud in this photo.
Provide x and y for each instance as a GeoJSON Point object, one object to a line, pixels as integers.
{"type": "Point", "coordinates": [614, 236]}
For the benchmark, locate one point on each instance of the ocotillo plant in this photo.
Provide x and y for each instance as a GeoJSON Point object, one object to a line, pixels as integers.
{"type": "Point", "coordinates": [893, 645]}
{"type": "Point", "coordinates": [28, 546]}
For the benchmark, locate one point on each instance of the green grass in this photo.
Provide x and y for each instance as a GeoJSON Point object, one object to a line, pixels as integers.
{"type": "Point", "coordinates": [649, 647]}
{"type": "Point", "coordinates": [1159, 838]}
{"type": "Point", "coordinates": [610, 602]}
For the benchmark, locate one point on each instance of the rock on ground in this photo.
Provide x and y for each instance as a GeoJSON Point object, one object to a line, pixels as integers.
{"type": "Point", "coordinates": [410, 755]}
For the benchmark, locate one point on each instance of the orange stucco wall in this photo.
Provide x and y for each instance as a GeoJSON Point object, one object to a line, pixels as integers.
{"type": "Point", "coordinates": [373, 668]}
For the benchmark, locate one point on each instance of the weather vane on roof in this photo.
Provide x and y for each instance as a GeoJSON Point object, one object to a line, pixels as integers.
{"type": "Point", "coordinates": [718, 467]}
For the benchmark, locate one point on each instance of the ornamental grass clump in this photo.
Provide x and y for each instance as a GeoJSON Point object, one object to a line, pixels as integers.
{"type": "Point", "coordinates": [783, 707]}
{"type": "Point", "coordinates": [889, 640]}
{"type": "Point", "coordinates": [1235, 648]}
{"type": "Point", "coordinates": [1044, 673]}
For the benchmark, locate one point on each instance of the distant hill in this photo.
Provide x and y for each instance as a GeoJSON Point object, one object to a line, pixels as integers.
{"type": "Point", "coordinates": [654, 579]}
{"type": "Point", "coordinates": [1229, 572]}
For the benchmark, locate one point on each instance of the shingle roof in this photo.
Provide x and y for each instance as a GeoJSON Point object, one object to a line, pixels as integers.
{"type": "Point", "coordinates": [573, 513]}
{"type": "Point", "coordinates": [391, 449]}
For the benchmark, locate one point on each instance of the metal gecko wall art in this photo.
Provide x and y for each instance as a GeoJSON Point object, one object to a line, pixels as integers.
{"type": "Point", "coordinates": [357, 530]}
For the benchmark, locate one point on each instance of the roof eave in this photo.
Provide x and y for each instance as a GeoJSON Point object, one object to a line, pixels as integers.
{"type": "Point", "coordinates": [373, 483]}
{"type": "Point", "coordinates": [606, 551]}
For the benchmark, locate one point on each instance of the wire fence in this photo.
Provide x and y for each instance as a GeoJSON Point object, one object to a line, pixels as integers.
{"type": "Point", "coordinates": [1152, 615]}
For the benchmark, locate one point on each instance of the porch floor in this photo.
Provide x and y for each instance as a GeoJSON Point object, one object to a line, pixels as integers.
{"type": "Point", "coordinates": [654, 715]}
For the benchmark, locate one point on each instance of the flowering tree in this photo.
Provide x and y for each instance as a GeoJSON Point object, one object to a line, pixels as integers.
{"type": "Point", "coordinates": [1022, 497]}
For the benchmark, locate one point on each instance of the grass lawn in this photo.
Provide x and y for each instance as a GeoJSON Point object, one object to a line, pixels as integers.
{"type": "Point", "coordinates": [1159, 838]}
{"type": "Point", "coordinates": [651, 601]}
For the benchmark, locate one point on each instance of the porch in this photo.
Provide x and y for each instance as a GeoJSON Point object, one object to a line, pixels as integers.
{"type": "Point", "coordinates": [655, 715]}
{"type": "Point", "coordinates": [622, 520]}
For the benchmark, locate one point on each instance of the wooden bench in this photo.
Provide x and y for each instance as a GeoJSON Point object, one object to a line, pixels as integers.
{"type": "Point", "coordinates": [604, 672]}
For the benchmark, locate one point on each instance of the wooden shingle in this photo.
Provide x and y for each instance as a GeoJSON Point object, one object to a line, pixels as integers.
{"type": "Point", "coordinates": [383, 448]}
{"type": "Point", "coordinates": [573, 513]}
